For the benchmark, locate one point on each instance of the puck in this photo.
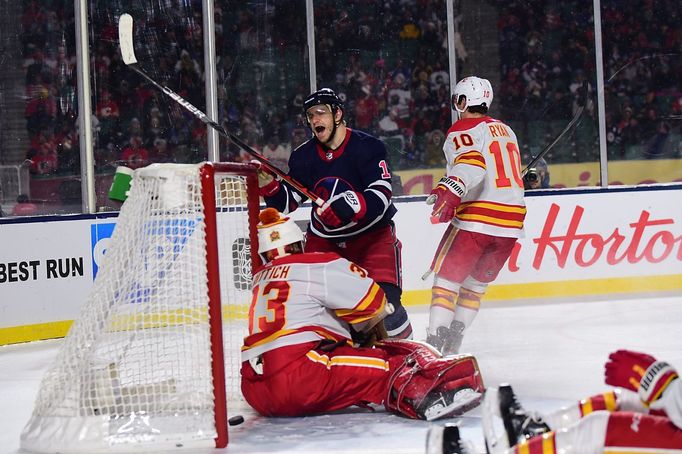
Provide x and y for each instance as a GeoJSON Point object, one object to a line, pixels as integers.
{"type": "Point", "coordinates": [235, 420]}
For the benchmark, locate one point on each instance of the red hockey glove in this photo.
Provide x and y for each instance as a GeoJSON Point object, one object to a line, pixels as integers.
{"type": "Point", "coordinates": [445, 198]}
{"type": "Point", "coordinates": [639, 372]}
{"type": "Point", "coordinates": [342, 208]}
{"type": "Point", "coordinates": [268, 185]}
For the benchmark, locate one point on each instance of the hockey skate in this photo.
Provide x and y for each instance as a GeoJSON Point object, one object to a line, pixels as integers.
{"type": "Point", "coordinates": [447, 440]}
{"type": "Point", "coordinates": [449, 403]}
{"type": "Point", "coordinates": [517, 423]}
{"type": "Point", "coordinates": [448, 340]}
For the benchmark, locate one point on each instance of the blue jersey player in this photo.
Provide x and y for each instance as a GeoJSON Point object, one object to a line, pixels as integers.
{"type": "Point", "coordinates": [349, 170]}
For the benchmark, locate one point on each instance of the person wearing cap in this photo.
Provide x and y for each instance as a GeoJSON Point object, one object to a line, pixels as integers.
{"type": "Point", "coordinates": [315, 340]}
{"type": "Point", "coordinates": [349, 170]}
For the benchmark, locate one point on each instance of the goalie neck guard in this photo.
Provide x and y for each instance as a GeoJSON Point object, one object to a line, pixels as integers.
{"type": "Point", "coordinates": [275, 233]}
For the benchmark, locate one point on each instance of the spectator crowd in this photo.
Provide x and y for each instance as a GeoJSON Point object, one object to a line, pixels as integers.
{"type": "Point", "coordinates": [386, 59]}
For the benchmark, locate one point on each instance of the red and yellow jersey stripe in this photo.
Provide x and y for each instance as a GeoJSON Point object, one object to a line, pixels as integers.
{"type": "Point", "coordinates": [492, 213]}
{"type": "Point", "coordinates": [369, 306]}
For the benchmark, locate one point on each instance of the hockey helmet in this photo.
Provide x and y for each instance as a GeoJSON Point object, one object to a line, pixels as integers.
{"type": "Point", "coordinates": [477, 91]}
{"type": "Point", "coordinates": [275, 232]}
{"type": "Point", "coordinates": [325, 96]}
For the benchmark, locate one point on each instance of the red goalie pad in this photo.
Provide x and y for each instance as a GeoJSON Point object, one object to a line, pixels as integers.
{"type": "Point", "coordinates": [420, 376]}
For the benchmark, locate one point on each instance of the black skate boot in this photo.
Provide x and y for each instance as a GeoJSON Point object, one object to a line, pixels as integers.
{"type": "Point", "coordinates": [453, 342]}
{"type": "Point", "coordinates": [447, 340]}
{"type": "Point", "coordinates": [518, 423]}
{"type": "Point", "coordinates": [436, 340]}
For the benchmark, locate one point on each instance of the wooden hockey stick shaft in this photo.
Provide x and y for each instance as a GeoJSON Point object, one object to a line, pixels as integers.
{"type": "Point", "coordinates": [125, 33]}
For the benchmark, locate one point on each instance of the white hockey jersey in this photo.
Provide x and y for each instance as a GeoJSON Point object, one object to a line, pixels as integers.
{"type": "Point", "coordinates": [483, 153]}
{"type": "Point", "coordinates": [671, 402]}
{"type": "Point", "coordinates": [308, 297]}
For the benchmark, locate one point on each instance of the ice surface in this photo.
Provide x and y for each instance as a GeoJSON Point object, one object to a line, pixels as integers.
{"type": "Point", "coordinates": [552, 354]}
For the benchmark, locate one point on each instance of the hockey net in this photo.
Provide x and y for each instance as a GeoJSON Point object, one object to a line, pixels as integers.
{"type": "Point", "coordinates": [154, 354]}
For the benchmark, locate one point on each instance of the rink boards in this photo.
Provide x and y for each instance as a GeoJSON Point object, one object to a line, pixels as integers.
{"type": "Point", "coordinates": [622, 240]}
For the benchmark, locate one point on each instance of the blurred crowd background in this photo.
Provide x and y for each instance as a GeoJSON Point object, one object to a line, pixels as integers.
{"type": "Point", "coordinates": [387, 59]}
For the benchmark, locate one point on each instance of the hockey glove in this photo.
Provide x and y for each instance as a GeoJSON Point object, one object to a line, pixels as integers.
{"type": "Point", "coordinates": [342, 208]}
{"type": "Point", "coordinates": [369, 338]}
{"type": "Point", "coordinates": [268, 185]}
{"type": "Point", "coordinates": [445, 198]}
{"type": "Point", "coordinates": [639, 372]}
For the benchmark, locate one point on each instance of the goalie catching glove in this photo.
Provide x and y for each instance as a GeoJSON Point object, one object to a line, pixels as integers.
{"type": "Point", "coordinates": [639, 372]}
{"type": "Point", "coordinates": [342, 209]}
{"type": "Point", "coordinates": [445, 198]}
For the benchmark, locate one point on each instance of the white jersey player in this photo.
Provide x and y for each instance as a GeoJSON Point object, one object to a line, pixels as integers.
{"type": "Point", "coordinates": [482, 198]}
{"type": "Point", "coordinates": [314, 343]}
{"type": "Point", "coordinates": [643, 415]}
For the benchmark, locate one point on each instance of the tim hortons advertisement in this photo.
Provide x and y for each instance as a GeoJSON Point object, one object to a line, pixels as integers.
{"type": "Point", "coordinates": [589, 235]}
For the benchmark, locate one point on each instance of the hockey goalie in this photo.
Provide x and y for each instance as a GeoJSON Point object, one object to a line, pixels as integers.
{"type": "Point", "coordinates": [316, 341]}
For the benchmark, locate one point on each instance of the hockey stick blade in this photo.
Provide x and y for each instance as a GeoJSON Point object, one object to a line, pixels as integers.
{"type": "Point", "coordinates": [125, 38]}
{"type": "Point", "coordinates": [125, 33]}
{"type": "Point", "coordinates": [583, 97]}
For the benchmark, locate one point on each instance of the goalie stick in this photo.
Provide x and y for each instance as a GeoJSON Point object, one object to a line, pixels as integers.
{"type": "Point", "coordinates": [125, 39]}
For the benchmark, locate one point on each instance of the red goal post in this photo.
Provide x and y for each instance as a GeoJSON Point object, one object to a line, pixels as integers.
{"type": "Point", "coordinates": [154, 354]}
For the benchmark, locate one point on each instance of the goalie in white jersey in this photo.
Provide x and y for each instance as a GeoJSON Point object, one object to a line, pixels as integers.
{"type": "Point", "coordinates": [314, 343]}
{"type": "Point", "coordinates": [482, 198]}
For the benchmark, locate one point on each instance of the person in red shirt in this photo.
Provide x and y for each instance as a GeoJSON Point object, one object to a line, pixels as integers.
{"type": "Point", "coordinates": [135, 155]}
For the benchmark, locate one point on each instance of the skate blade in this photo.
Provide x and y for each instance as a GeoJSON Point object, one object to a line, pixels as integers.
{"type": "Point", "coordinates": [463, 401]}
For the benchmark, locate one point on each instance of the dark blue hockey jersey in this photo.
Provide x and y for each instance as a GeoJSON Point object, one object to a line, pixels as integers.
{"type": "Point", "coordinates": [359, 165]}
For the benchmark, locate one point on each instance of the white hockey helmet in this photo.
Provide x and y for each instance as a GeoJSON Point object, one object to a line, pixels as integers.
{"type": "Point", "coordinates": [477, 91]}
{"type": "Point", "coordinates": [275, 232]}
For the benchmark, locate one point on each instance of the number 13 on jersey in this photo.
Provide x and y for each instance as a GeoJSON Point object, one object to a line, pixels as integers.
{"type": "Point", "coordinates": [268, 311]}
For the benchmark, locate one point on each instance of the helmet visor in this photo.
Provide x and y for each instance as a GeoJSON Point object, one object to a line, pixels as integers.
{"type": "Point", "coordinates": [317, 111]}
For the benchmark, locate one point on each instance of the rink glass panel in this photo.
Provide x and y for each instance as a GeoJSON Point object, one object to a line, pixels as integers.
{"type": "Point", "coordinates": [534, 57]}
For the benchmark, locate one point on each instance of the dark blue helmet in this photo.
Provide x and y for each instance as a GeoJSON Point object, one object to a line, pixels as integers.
{"type": "Point", "coordinates": [323, 96]}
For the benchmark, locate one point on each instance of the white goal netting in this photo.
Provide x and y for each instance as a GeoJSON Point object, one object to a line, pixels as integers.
{"type": "Point", "coordinates": [136, 367]}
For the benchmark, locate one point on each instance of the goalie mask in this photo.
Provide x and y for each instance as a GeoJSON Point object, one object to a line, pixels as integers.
{"type": "Point", "coordinates": [476, 92]}
{"type": "Point", "coordinates": [277, 236]}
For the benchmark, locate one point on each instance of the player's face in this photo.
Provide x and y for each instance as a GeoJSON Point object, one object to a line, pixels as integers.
{"type": "Point", "coordinates": [321, 122]}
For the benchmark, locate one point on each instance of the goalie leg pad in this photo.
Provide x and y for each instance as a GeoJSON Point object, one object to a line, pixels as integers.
{"type": "Point", "coordinates": [424, 385]}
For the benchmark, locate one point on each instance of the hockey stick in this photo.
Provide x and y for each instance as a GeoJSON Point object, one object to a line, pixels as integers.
{"type": "Point", "coordinates": [125, 39]}
{"type": "Point", "coordinates": [569, 126]}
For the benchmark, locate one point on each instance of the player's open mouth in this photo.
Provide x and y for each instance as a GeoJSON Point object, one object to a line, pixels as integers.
{"type": "Point", "coordinates": [319, 129]}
